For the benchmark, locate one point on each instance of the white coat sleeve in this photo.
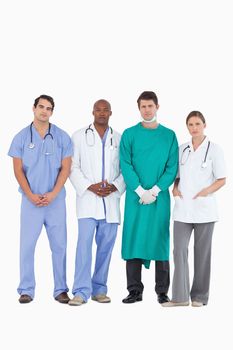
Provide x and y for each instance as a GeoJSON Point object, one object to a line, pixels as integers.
{"type": "Point", "coordinates": [219, 166]}
{"type": "Point", "coordinates": [119, 184]}
{"type": "Point", "coordinates": [77, 178]}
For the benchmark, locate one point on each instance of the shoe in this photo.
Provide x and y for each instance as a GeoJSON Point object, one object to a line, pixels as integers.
{"type": "Point", "coordinates": [173, 303]}
{"type": "Point", "coordinates": [101, 298]}
{"type": "Point", "coordinates": [163, 298]}
{"type": "Point", "coordinates": [25, 299]}
{"type": "Point", "coordinates": [76, 301]}
{"type": "Point", "coordinates": [62, 298]}
{"type": "Point", "coordinates": [197, 303]}
{"type": "Point", "coordinates": [134, 295]}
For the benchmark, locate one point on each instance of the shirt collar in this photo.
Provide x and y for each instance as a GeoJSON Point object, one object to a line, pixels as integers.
{"type": "Point", "coordinates": [202, 145]}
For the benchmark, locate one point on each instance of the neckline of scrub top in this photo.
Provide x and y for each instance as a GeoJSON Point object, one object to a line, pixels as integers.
{"type": "Point", "coordinates": [153, 129]}
{"type": "Point", "coordinates": [37, 133]}
{"type": "Point", "coordinates": [203, 144]}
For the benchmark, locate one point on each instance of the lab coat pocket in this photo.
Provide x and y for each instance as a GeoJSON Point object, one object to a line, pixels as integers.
{"type": "Point", "coordinates": [200, 203]}
{"type": "Point", "coordinates": [177, 199]}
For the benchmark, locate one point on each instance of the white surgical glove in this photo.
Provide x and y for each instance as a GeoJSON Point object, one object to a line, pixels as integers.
{"type": "Point", "coordinates": [155, 190]}
{"type": "Point", "coordinates": [147, 198]}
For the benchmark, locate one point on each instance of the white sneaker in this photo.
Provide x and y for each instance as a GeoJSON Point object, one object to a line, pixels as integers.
{"type": "Point", "coordinates": [197, 303]}
{"type": "Point", "coordinates": [76, 301]}
{"type": "Point", "coordinates": [101, 298]}
{"type": "Point", "coordinates": [173, 303]}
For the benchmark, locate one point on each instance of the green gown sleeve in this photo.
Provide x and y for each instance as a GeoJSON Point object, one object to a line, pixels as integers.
{"type": "Point", "coordinates": [170, 172]}
{"type": "Point", "coordinates": [127, 169]}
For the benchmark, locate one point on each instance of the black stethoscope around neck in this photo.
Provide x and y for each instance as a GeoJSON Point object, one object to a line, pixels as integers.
{"type": "Point", "coordinates": [91, 144]}
{"type": "Point", "coordinates": [203, 164]}
{"type": "Point", "coordinates": [31, 144]}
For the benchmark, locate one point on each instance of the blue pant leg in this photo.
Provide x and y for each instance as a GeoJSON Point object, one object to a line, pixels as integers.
{"type": "Point", "coordinates": [55, 224]}
{"type": "Point", "coordinates": [82, 279]}
{"type": "Point", "coordinates": [31, 223]}
{"type": "Point", "coordinates": [105, 239]}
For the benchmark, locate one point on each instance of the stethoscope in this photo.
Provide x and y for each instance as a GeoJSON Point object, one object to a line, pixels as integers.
{"type": "Point", "coordinates": [91, 144]}
{"type": "Point", "coordinates": [32, 145]}
{"type": "Point", "coordinates": [203, 164]}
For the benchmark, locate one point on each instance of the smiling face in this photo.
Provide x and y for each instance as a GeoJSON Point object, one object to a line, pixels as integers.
{"type": "Point", "coordinates": [196, 126]}
{"type": "Point", "coordinates": [102, 112]}
{"type": "Point", "coordinates": [148, 109]}
{"type": "Point", "coordinates": [43, 111]}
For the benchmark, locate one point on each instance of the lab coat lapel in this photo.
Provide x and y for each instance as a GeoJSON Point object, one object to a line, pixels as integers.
{"type": "Point", "coordinates": [97, 156]}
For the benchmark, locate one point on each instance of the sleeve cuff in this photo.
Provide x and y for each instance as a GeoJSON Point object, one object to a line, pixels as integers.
{"type": "Point", "coordinates": [155, 190]}
{"type": "Point", "coordinates": [140, 190]}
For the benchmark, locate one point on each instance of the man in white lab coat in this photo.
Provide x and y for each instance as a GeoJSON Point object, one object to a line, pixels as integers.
{"type": "Point", "coordinates": [96, 177]}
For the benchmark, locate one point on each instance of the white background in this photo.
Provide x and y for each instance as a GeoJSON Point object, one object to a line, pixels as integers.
{"type": "Point", "coordinates": [78, 52]}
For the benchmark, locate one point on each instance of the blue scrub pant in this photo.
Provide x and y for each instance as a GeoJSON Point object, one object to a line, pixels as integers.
{"type": "Point", "coordinates": [105, 236]}
{"type": "Point", "coordinates": [53, 217]}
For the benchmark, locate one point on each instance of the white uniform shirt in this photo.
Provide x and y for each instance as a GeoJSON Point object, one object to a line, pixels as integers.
{"type": "Point", "coordinates": [87, 164]}
{"type": "Point", "coordinates": [194, 178]}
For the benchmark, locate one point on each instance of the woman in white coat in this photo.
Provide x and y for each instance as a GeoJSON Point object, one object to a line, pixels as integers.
{"type": "Point", "coordinates": [201, 173]}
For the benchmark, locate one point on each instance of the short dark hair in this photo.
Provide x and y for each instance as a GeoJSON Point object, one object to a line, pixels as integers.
{"type": "Point", "coordinates": [45, 97]}
{"type": "Point", "coordinates": [195, 114]}
{"type": "Point", "coordinates": [147, 95]}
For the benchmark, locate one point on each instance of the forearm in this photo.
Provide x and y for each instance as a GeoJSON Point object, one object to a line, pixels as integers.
{"type": "Point", "coordinates": [61, 180]}
{"type": "Point", "coordinates": [22, 181]}
{"type": "Point", "coordinates": [176, 183]}
{"type": "Point", "coordinates": [215, 186]}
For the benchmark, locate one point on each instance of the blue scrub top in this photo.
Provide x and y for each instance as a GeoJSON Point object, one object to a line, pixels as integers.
{"type": "Point", "coordinates": [41, 169]}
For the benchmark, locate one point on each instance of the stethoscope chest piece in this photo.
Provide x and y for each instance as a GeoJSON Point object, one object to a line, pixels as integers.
{"type": "Point", "coordinates": [31, 145]}
{"type": "Point", "coordinates": [204, 165]}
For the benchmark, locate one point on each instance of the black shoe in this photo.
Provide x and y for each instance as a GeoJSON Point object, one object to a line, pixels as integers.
{"type": "Point", "coordinates": [163, 298]}
{"type": "Point", "coordinates": [134, 295]}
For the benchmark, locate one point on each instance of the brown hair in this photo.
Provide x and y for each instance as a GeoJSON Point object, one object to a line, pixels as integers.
{"type": "Point", "coordinates": [147, 95]}
{"type": "Point", "coordinates": [44, 97]}
{"type": "Point", "coordinates": [195, 114]}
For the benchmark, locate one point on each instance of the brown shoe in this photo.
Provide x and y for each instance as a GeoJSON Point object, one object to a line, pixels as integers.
{"type": "Point", "coordinates": [24, 299]}
{"type": "Point", "coordinates": [62, 298]}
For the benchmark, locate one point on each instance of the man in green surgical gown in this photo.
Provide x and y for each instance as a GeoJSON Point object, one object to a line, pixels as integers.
{"type": "Point", "coordinates": [149, 162]}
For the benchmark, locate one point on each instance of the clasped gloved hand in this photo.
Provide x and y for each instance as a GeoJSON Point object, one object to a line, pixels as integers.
{"type": "Point", "coordinates": [148, 197]}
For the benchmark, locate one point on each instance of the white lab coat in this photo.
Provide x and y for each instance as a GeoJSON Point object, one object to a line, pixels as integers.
{"type": "Point", "coordinates": [194, 178]}
{"type": "Point", "coordinates": [87, 170]}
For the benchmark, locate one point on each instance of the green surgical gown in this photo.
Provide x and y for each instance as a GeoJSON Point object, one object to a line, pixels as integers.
{"type": "Point", "coordinates": [148, 157]}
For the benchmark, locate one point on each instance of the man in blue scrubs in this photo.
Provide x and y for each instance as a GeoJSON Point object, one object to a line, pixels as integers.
{"type": "Point", "coordinates": [41, 155]}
